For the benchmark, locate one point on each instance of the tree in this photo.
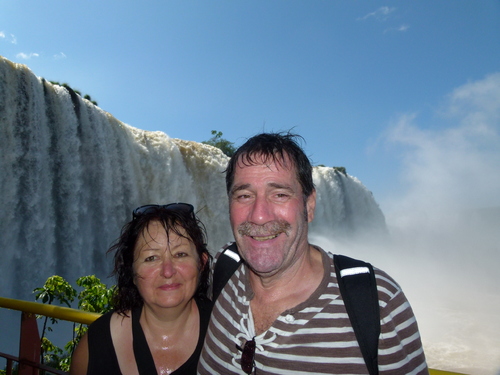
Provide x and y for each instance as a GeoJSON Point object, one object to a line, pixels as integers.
{"type": "Point", "coordinates": [95, 297]}
{"type": "Point", "coordinates": [223, 144]}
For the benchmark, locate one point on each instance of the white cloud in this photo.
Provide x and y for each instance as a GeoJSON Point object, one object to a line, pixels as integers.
{"type": "Point", "coordinates": [455, 167]}
{"type": "Point", "coordinates": [9, 38]}
{"type": "Point", "coordinates": [381, 14]}
{"type": "Point", "coordinates": [401, 29]}
{"type": "Point", "coordinates": [476, 102]}
{"type": "Point", "coordinates": [27, 56]}
{"type": "Point", "coordinates": [60, 55]}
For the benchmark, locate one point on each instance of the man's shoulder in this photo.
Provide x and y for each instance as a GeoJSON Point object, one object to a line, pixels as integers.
{"type": "Point", "coordinates": [387, 286]}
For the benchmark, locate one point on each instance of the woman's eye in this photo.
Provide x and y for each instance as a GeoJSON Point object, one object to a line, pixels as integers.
{"type": "Point", "coordinates": [181, 254]}
{"type": "Point", "coordinates": [149, 258]}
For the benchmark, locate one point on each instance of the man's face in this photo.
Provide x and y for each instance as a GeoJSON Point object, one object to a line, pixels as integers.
{"type": "Point", "coordinates": [269, 216]}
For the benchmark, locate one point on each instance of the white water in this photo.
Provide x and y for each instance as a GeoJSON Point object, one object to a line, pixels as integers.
{"type": "Point", "coordinates": [70, 174]}
{"type": "Point", "coordinates": [69, 182]}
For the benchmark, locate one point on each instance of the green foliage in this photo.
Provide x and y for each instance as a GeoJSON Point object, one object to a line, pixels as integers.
{"type": "Point", "coordinates": [341, 170]}
{"type": "Point", "coordinates": [65, 85]}
{"type": "Point", "coordinates": [94, 297]}
{"type": "Point", "coordinates": [223, 144]}
{"type": "Point", "coordinates": [15, 369]}
{"type": "Point", "coordinates": [56, 288]}
{"type": "Point", "coordinates": [54, 356]}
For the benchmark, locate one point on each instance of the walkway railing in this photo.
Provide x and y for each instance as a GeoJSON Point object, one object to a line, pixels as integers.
{"type": "Point", "coordinates": [29, 339]}
{"type": "Point", "coordinates": [29, 344]}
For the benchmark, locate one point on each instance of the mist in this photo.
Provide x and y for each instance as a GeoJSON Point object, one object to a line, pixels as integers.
{"type": "Point", "coordinates": [444, 225]}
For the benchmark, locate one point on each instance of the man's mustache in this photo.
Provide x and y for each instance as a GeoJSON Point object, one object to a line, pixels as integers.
{"type": "Point", "coordinates": [270, 228]}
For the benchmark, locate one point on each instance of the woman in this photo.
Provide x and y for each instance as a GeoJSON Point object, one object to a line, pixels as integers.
{"type": "Point", "coordinates": [161, 311]}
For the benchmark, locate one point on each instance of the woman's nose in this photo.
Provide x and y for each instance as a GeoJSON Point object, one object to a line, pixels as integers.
{"type": "Point", "coordinates": [168, 268]}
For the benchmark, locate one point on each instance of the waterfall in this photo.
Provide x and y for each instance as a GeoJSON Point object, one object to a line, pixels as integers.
{"type": "Point", "coordinates": [344, 206]}
{"type": "Point", "coordinates": [71, 174]}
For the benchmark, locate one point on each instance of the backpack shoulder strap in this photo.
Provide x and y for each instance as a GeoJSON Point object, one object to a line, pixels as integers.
{"type": "Point", "coordinates": [227, 263]}
{"type": "Point", "coordinates": [358, 288]}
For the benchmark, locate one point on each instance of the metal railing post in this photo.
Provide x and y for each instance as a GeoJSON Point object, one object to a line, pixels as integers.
{"type": "Point", "coordinates": [9, 367]}
{"type": "Point", "coordinates": [29, 345]}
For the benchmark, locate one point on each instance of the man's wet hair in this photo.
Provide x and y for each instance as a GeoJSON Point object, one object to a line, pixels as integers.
{"type": "Point", "coordinates": [278, 148]}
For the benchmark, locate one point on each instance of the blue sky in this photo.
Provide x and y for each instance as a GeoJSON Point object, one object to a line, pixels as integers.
{"type": "Point", "coordinates": [404, 94]}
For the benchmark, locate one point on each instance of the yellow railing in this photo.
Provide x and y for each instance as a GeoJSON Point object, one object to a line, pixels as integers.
{"type": "Point", "coordinates": [79, 316]}
{"type": "Point", "coordinates": [29, 337]}
{"type": "Point", "coordinates": [58, 312]}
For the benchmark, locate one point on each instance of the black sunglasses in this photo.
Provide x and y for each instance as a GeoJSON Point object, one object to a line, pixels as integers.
{"type": "Point", "coordinates": [184, 208]}
{"type": "Point", "coordinates": [248, 356]}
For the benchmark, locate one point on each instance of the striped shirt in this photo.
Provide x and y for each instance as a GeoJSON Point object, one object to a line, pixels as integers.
{"type": "Point", "coordinates": [314, 337]}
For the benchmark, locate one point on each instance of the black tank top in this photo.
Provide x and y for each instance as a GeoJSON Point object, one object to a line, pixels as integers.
{"type": "Point", "coordinates": [102, 355]}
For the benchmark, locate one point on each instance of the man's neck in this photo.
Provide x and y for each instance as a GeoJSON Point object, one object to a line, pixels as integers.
{"type": "Point", "coordinates": [283, 291]}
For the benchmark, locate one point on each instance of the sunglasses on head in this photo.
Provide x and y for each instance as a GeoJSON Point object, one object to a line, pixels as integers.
{"type": "Point", "coordinates": [248, 356]}
{"type": "Point", "coordinates": [184, 208]}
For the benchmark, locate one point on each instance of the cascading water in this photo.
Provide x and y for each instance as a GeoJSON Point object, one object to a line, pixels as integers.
{"type": "Point", "coordinates": [71, 174]}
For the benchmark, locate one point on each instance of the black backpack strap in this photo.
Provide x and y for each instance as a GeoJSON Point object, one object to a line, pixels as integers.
{"type": "Point", "coordinates": [358, 287]}
{"type": "Point", "coordinates": [227, 263]}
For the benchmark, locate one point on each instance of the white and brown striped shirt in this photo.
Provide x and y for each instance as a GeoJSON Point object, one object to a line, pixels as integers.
{"type": "Point", "coordinates": [314, 337]}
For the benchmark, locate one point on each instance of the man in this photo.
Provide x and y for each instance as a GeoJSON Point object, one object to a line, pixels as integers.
{"type": "Point", "coordinates": [281, 312]}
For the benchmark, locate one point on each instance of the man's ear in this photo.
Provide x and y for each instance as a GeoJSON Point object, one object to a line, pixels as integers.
{"type": "Point", "coordinates": [311, 206]}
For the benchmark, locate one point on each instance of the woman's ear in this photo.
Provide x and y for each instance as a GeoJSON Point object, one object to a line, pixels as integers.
{"type": "Point", "coordinates": [203, 260]}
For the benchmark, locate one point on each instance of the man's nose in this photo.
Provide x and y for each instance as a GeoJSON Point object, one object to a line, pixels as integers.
{"type": "Point", "coordinates": [261, 211]}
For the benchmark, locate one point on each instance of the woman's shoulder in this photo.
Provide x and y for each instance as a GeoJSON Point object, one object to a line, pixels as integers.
{"type": "Point", "coordinates": [108, 320]}
{"type": "Point", "coordinates": [102, 321]}
{"type": "Point", "coordinates": [120, 322]}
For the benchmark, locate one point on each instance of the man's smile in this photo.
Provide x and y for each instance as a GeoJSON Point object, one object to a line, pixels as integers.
{"type": "Point", "coordinates": [265, 238]}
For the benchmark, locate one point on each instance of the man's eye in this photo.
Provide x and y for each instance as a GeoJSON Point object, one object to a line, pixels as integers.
{"type": "Point", "coordinates": [242, 197]}
{"type": "Point", "coordinates": [282, 196]}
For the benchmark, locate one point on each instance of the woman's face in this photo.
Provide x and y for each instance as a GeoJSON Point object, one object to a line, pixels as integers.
{"type": "Point", "coordinates": [166, 269]}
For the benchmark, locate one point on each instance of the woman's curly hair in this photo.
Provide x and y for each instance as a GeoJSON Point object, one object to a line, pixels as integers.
{"type": "Point", "coordinates": [184, 224]}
